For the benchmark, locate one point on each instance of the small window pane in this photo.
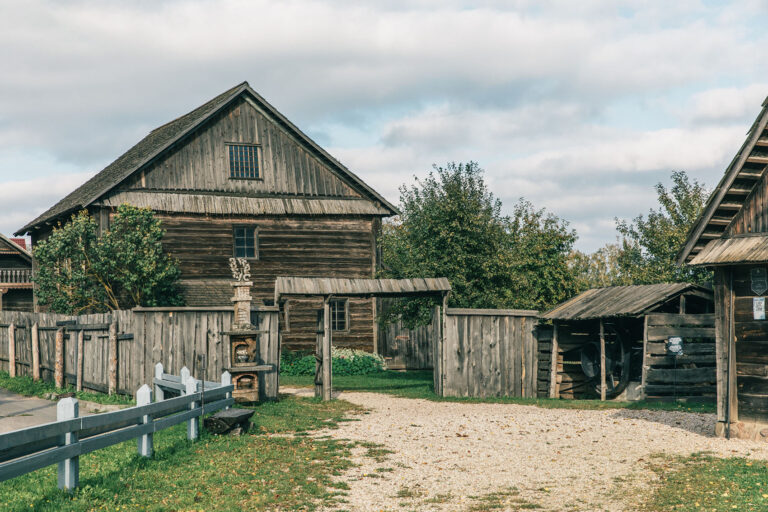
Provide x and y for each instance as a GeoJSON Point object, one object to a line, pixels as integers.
{"type": "Point", "coordinates": [243, 161]}
{"type": "Point", "coordinates": [338, 315]}
{"type": "Point", "coordinates": [245, 242]}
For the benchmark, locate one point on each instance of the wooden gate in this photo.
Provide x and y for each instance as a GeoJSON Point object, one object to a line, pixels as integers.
{"type": "Point", "coordinates": [487, 352]}
{"type": "Point", "coordinates": [407, 349]}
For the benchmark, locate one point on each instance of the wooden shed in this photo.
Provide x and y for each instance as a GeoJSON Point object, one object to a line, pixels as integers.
{"type": "Point", "coordinates": [621, 333]}
{"type": "Point", "coordinates": [15, 275]}
{"type": "Point", "coordinates": [731, 237]}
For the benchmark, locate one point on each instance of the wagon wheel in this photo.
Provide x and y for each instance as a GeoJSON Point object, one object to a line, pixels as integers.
{"type": "Point", "coordinates": [617, 357]}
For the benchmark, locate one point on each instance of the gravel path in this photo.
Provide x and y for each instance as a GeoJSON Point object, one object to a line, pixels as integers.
{"type": "Point", "coordinates": [446, 455]}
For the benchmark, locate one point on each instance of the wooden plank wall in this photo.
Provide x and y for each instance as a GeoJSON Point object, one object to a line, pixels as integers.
{"type": "Point", "coordinates": [570, 379]}
{"type": "Point", "coordinates": [691, 375]}
{"type": "Point", "coordinates": [173, 338]}
{"type": "Point", "coordinates": [407, 349]}
{"type": "Point", "coordinates": [489, 355]}
{"type": "Point", "coordinates": [544, 339]}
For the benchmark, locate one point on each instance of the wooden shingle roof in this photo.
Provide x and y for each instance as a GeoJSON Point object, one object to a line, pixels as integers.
{"type": "Point", "coordinates": [740, 179]}
{"type": "Point", "coordinates": [166, 136]}
{"type": "Point", "coordinates": [310, 286]}
{"type": "Point", "coordinates": [616, 301]}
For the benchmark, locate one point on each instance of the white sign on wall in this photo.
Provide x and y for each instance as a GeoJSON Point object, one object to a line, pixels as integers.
{"type": "Point", "coordinates": [758, 308]}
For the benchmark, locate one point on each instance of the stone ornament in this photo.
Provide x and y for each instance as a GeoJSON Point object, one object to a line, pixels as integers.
{"type": "Point", "coordinates": [241, 269]}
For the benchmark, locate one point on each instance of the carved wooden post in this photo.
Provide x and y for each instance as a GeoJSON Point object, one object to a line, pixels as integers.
{"type": "Point", "coordinates": [145, 441]}
{"type": "Point", "coordinates": [58, 371]}
{"type": "Point", "coordinates": [69, 469]}
{"type": "Point", "coordinates": [193, 428]}
{"type": "Point", "coordinates": [80, 359]}
{"type": "Point", "coordinates": [35, 352]}
{"type": "Point", "coordinates": [113, 358]}
{"type": "Point", "coordinates": [159, 393]}
{"type": "Point", "coordinates": [12, 350]}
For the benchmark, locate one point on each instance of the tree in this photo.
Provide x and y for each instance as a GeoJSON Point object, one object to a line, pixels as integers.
{"type": "Point", "coordinates": [598, 269]}
{"type": "Point", "coordinates": [649, 245]}
{"type": "Point", "coordinates": [451, 226]}
{"type": "Point", "coordinates": [77, 270]}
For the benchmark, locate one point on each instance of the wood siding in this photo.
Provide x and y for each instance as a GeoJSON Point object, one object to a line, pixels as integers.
{"type": "Point", "coordinates": [202, 162]}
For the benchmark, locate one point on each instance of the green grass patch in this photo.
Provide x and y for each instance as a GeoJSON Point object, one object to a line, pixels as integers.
{"type": "Point", "coordinates": [704, 483]}
{"type": "Point", "coordinates": [24, 385]}
{"type": "Point", "coordinates": [419, 384]}
{"type": "Point", "coordinates": [256, 471]}
{"type": "Point", "coordinates": [506, 499]}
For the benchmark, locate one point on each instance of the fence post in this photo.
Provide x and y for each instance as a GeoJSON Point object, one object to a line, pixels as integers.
{"type": "Point", "coordinates": [226, 380]}
{"type": "Point", "coordinates": [159, 393]}
{"type": "Point", "coordinates": [35, 352]}
{"type": "Point", "coordinates": [184, 374]}
{"type": "Point", "coordinates": [113, 358]}
{"type": "Point", "coordinates": [69, 469]}
{"type": "Point", "coordinates": [193, 429]}
{"type": "Point", "coordinates": [12, 349]}
{"type": "Point", "coordinates": [145, 442]}
{"type": "Point", "coordinates": [80, 359]}
{"type": "Point", "coordinates": [58, 369]}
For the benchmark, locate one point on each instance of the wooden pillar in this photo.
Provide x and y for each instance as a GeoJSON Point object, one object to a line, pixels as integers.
{"type": "Point", "coordinates": [12, 350]}
{"type": "Point", "coordinates": [682, 304]}
{"type": "Point", "coordinates": [553, 391]}
{"type": "Point", "coordinates": [645, 366]}
{"type": "Point", "coordinates": [113, 358]}
{"type": "Point", "coordinates": [80, 359]}
{"type": "Point", "coordinates": [727, 402]}
{"type": "Point", "coordinates": [319, 330]}
{"type": "Point", "coordinates": [35, 352]}
{"type": "Point", "coordinates": [58, 369]}
{"type": "Point", "coordinates": [602, 361]}
{"type": "Point", "coordinates": [3, 291]}
{"type": "Point", "coordinates": [327, 362]}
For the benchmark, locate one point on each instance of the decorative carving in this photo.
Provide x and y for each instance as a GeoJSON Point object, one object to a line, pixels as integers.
{"type": "Point", "coordinates": [241, 269]}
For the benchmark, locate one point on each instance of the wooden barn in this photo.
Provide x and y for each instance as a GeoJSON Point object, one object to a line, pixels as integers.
{"type": "Point", "coordinates": [731, 237]}
{"type": "Point", "coordinates": [234, 177]}
{"type": "Point", "coordinates": [15, 275]}
{"type": "Point", "coordinates": [621, 332]}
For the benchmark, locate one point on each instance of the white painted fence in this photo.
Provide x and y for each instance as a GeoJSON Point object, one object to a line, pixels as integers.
{"type": "Point", "coordinates": [63, 441]}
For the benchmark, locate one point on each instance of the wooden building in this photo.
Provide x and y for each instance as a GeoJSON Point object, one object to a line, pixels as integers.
{"type": "Point", "coordinates": [731, 237]}
{"type": "Point", "coordinates": [234, 177]}
{"type": "Point", "coordinates": [623, 329]}
{"type": "Point", "coordinates": [15, 275]}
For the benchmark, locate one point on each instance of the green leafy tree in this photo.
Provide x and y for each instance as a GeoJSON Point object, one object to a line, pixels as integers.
{"type": "Point", "coordinates": [78, 270]}
{"type": "Point", "coordinates": [650, 244]}
{"type": "Point", "coordinates": [452, 226]}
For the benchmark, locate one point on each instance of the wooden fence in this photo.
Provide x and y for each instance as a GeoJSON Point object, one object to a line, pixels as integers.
{"type": "Point", "coordinates": [689, 375]}
{"type": "Point", "coordinates": [143, 336]}
{"type": "Point", "coordinates": [63, 441]}
{"type": "Point", "coordinates": [407, 349]}
{"type": "Point", "coordinates": [487, 352]}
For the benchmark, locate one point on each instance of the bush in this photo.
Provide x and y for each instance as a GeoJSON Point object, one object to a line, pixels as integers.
{"type": "Point", "coordinates": [345, 362]}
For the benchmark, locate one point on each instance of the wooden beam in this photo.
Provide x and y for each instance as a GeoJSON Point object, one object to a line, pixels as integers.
{"type": "Point", "coordinates": [12, 350]}
{"type": "Point", "coordinates": [757, 159]}
{"type": "Point", "coordinates": [762, 142]}
{"type": "Point", "coordinates": [327, 362]}
{"type": "Point", "coordinates": [35, 352]}
{"type": "Point", "coordinates": [645, 364]}
{"type": "Point", "coordinates": [553, 363]}
{"type": "Point", "coordinates": [602, 361]}
{"type": "Point", "coordinates": [80, 360]}
{"type": "Point", "coordinates": [58, 373]}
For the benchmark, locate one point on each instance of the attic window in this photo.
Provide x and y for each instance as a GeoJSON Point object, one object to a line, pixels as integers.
{"type": "Point", "coordinates": [244, 161]}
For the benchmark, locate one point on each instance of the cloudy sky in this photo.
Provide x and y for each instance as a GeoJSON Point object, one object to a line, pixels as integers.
{"type": "Point", "coordinates": [580, 107]}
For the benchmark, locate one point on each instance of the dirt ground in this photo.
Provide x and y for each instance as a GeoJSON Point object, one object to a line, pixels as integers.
{"type": "Point", "coordinates": [452, 456]}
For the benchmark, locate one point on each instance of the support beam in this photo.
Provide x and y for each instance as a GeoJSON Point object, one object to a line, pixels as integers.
{"type": "Point", "coordinates": [113, 358]}
{"type": "Point", "coordinates": [35, 352]}
{"type": "Point", "coordinates": [12, 349]}
{"type": "Point", "coordinates": [327, 362]}
{"type": "Point", "coordinates": [80, 359]}
{"type": "Point", "coordinates": [553, 391]}
{"type": "Point", "coordinates": [602, 361]}
{"type": "Point", "coordinates": [58, 371]}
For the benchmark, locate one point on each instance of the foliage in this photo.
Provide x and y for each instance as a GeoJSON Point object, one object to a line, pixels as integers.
{"type": "Point", "coordinates": [24, 385]}
{"type": "Point", "coordinates": [452, 226]}
{"type": "Point", "coordinates": [255, 471]}
{"type": "Point", "coordinates": [703, 482]}
{"type": "Point", "coordinates": [599, 269]}
{"type": "Point", "coordinates": [345, 362]}
{"type": "Point", "coordinates": [649, 245]}
{"type": "Point", "coordinates": [419, 384]}
{"type": "Point", "coordinates": [78, 270]}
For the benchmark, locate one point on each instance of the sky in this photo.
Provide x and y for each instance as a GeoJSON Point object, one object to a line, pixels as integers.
{"type": "Point", "coordinates": [579, 107]}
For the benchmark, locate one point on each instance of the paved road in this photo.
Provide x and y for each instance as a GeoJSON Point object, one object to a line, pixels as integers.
{"type": "Point", "coordinates": [18, 411]}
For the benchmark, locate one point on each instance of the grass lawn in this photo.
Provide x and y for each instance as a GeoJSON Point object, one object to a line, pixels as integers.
{"type": "Point", "coordinates": [256, 471]}
{"type": "Point", "coordinates": [24, 385]}
{"type": "Point", "coordinates": [704, 483]}
{"type": "Point", "coordinates": [418, 384]}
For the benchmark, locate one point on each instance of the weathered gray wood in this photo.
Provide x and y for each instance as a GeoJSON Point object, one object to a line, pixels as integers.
{"type": "Point", "coordinates": [69, 469]}
{"type": "Point", "coordinates": [12, 349]}
{"type": "Point", "coordinates": [602, 361]}
{"type": "Point", "coordinates": [80, 359]}
{"type": "Point", "coordinates": [145, 443]}
{"type": "Point", "coordinates": [113, 358]}
{"type": "Point", "coordinates": [159, 393]}
{"type": "Point", "coordinates": [35, 352]}
{"type": "Point", "coordinates": [193, 427]}
{"type": "Point", "coordinates": [327, 359]}
{"type": "Point", "coordinates": [553, 393]}
{"type": "Point", "coordinates": [228, 420]}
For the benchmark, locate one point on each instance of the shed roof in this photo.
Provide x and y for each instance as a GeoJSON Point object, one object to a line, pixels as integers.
{"type": "Point", "coordinates": [9, 246]}
{"type": "Point", "coordinates": [616, 301]}
{"type": "Point", "coordinates": [739, 249]}
{"type": "Point", "coordinates": [164, 137]}
{"type": "Point", "coordinates": [304, 286]}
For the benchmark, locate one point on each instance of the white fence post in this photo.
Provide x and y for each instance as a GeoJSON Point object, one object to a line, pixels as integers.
{"type": "Point", "coordinates": [145, 442]}
{"type": "Point", "coordinates": [184, 374]}
{"type": "Point", "coordinates": [69, 469]}
{"type": "Point", "coordinates": [159, 393]}
{"type": "Point", "coordinates": [193, 429]}
{"type": "Point", "coordinates": [226, 380]}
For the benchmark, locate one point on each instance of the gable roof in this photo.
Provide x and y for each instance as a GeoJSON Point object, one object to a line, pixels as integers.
{"type": "Point", "coordinates": [311, 286]}
{"type": "Point", "coordinates": [634, 300]}
{"type": "Point", "coordinates": [8, 246]}
{"type": "Point", "coordinates": [740, 179]}
{"type": "Point", "coordinates": [164, 137]}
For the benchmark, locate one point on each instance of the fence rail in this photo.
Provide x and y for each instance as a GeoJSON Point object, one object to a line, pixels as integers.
{"type": "Point", "coordinates": [63, 441]}
{"type": "Point", "coordinates": [15, 275]}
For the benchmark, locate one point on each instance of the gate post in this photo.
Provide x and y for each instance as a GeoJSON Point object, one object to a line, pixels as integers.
{"type": "Point", "coordinates": [145, 442]}
{"type": "Point", "coordinates": [69, 469]}
{"type": "Point", "coordinates": [159, 393]}
{"type": "Point", "coordinates": [193, 428]}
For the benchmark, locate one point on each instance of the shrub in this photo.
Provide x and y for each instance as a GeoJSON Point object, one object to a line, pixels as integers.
{"type": "Point", "coordinates": [345, 362]}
